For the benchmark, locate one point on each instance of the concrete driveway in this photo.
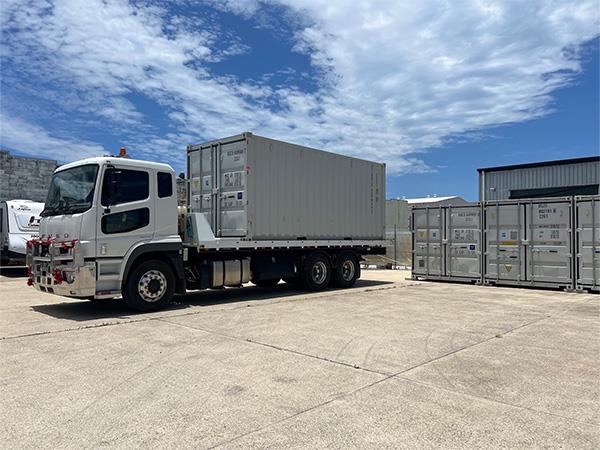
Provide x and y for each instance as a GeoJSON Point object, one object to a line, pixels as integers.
{"type": "Point", "coordinates": [390, 363]}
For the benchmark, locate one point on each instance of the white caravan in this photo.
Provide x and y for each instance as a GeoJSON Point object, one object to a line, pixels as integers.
{"type": "Point", "coordinates": [19, 222]}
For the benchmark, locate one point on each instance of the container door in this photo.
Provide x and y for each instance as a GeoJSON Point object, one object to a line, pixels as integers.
{"type": "Point", "coordinates": [588, 245]}
{"type": "Point", "coordinates": [232, 189]}
{"type": "Point", "coordinates": [463, 242]}
{"type": "Point", "coordinates": [195, 179]}
{"type": "Point", "coordinates": [207, 191]}
{"type": "Point", "coordinates": [504, 231]}
{"type": "Point", "coordinates": [428, 257]}
{"type": "Point", "coordinates": [550, 240]}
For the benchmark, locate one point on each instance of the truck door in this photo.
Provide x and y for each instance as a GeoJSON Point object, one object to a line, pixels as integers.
{"type": "Point", "coordinates": [126, 218]}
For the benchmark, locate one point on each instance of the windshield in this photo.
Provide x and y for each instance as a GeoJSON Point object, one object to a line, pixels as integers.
{"type": "Point", "coordinates": [71, 191]}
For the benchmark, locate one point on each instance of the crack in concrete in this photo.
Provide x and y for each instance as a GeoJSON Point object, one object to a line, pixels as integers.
{"type": "Point", "coordinates": [385, 378]}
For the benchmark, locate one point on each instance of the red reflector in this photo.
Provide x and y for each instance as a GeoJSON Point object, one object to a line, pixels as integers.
{"type": "Point", "coordinates": [58, 276]}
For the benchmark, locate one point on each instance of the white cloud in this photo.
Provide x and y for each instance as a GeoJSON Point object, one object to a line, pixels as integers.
{"type": "Point", "coordinates": [397, 77]}
{"type": "Point", "coordinates": [35, 141]}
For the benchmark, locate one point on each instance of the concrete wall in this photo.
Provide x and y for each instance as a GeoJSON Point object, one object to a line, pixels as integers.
{"type": "Point", "coordinates": [397, 212]}
{"type": "Point", "coordinates": [24, 178]}
{"type": "Point", "coordinates": [398, 247]}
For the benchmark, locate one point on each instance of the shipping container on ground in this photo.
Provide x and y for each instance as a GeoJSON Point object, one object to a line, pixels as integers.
{"type": "Point", "coordinates": [447, 243]}
{"type": "Point", "coordinates": [532, 242]}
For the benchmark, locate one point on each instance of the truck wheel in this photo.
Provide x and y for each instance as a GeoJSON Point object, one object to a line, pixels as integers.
{"type": "Point", "coordinates": [267, 283]}
{"type": "Point", "coordinates": [347, 270]}
{"type": "Point", "coordinates": [316, 272]}
{"type": "Point", "coordinates": [149, 286]}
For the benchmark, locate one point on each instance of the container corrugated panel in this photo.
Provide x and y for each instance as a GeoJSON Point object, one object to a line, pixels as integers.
{"type": "Point", "coordinates": [503, 234]}
{"type": "Point", "coordinates": [587, 218]}
{"type": "Point", "coordinates": [257, 188]}
{"type": "Point", "coordinates": [463, 242]}
{"type": "Point", "coordinates": [428, 236]}
{"type": "Point", "coordinates": [529, 242]}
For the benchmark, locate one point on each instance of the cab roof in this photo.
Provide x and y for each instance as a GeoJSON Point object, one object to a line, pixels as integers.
{"type": "Point", "coordinates": [134, 163]}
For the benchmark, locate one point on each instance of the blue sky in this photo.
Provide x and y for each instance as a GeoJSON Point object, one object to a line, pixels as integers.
{"type": "Point", "coordinates": [569, 130]}
{"type": "Point", "coordinates": [433, 89]}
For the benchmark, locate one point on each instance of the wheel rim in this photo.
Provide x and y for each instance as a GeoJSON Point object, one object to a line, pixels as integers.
{"type": "Point", "coordinates": [152, 286]}
{"type": "Point", "coordinates": [348, 270]}
{"type": "Point", "coordinates": [319, 272]}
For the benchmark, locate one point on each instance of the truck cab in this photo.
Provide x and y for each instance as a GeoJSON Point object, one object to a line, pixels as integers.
{"type": "Point", "coordinates": [104, 217]}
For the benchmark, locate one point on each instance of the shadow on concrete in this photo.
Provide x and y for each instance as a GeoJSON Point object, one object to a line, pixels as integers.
{"type": "Point", "coordinates": [116, 308]}
{"type": "Point", "coordinates": [13, 272]}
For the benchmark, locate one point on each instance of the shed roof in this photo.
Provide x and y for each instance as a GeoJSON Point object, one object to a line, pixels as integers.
{"type": "Point", "coordinates": [557, 162]}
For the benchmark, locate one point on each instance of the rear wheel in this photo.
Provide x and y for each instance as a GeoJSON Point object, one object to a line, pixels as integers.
{"type": "Point", "coordinates": [267, 283]}
{"type": "Point", "coordinates": [316, 272]}
{"type": "Point", "coordinates": [347, 270]}
{"type": "Point", "coordinates": [149, 286]}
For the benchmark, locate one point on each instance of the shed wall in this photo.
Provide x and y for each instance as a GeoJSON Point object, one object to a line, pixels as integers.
{"type": "Point", "coordinates": [497, 184]}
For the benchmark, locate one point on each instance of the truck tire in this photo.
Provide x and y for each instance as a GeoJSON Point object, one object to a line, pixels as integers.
{"type": "Point", "coordinates": [316, 272]}
{"type": "Point", "coordinates": [149, 286]}
{"type": "Point", "coordinates": [267, 283]}
{"type": "Point", "coordinates": [347, 270]}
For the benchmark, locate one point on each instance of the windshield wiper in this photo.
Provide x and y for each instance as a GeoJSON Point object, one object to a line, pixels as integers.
{"type": "Point", "coordinates": [71, 208]}
{"type": "Point", "coordinates": [48, 211]}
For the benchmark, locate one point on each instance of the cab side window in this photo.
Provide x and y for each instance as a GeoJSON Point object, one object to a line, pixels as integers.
{"type": "Point", "coordinates": [164, 182]}
{"type": "Point", "coordinates": [124, 186]}
{"type": "Point", "coordinates": [125, 221]}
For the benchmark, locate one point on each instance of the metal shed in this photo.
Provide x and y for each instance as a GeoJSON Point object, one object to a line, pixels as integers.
{"type": "Point", "coordinates": [435, 201]}
{"type": "Point", "coordinates": [567, 177]}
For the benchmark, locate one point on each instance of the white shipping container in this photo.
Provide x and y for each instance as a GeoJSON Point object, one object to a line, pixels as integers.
{"type": "Point", "coordinates": [447, 242]}
{"type": "Point", "coordinates": [255, 188]}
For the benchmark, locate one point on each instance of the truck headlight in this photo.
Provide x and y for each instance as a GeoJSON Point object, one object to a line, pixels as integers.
{"type": "Point", "coordinates": [69, 277]}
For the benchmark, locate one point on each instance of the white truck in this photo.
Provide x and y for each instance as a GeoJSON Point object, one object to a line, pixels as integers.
{"type": "Point", "coordinates": [257, 210]}
{"type": "Point", "coordinates": [19, 222]}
